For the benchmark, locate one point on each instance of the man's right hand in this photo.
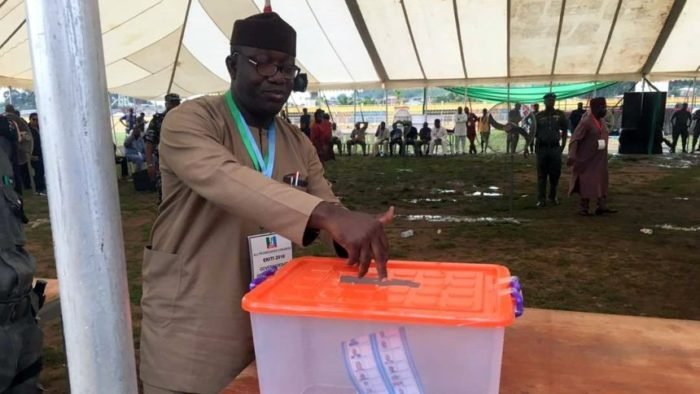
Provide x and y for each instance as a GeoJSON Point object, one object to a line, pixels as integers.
{"type": "Point", "coordinates": [361, 235]}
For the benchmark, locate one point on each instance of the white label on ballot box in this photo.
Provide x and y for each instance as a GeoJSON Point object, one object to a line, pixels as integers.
{"type": "Point", "coordinates": [382, 362]}
{"type": "Point", "coordinates": [267, 250]}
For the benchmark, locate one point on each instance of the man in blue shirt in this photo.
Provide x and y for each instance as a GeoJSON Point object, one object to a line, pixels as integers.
{"type": "Point", "coordinates": [129, 121]}
{"type": "Point", "coordinates": [136, 148]}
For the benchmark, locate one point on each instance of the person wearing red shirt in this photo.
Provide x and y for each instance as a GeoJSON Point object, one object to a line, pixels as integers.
{"type": "Point", "coordinates": [321, 135]}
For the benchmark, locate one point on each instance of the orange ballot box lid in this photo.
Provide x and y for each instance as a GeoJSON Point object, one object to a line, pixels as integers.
{"type": "Point", "coordinates": [447, 294]}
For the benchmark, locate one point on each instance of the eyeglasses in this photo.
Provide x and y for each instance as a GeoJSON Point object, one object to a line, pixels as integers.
{"type": "Point", "coordinates": [288, 71]}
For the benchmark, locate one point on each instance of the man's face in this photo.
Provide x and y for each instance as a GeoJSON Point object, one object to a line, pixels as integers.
{"type": "Point", "coordinates": [459, 110]}
{"type": "Point", "coordinates": [549, 102]}
{"type": "Point", "coordinates": [600, 111]}
{"type": "Point", "coordinates": [437, 124]}
{"type": "Point", "coordinates": [580, 106]}
{"type": "Point", "coordinates": [34, 121]}
{"type": "Point", "coordinates": [263, 96]}
{"type": "Point", "coordinates": [536, 107]}
{"type": "Point", "coordinates": [685, 107]}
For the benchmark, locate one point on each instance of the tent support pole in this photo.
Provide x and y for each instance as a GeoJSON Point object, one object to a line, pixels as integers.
{"type": "Point", "coordinates": [512, 164]}
{"type": "Point", "coordinates": [179, 46]}
{"type": "Point", "coordinates": [425, 104]}
{"type": "Point", "coordinates": [354, 108]}
{"type": "Point", "coordinates": [65, 40]}
{"type": "Point", "coordinates": [386, 106]}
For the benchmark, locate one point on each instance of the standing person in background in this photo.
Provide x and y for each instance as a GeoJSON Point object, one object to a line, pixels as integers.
{"type": "Point", "coordinates": [26, 146]}
{"type": "Point", "coordinates": [424, 139]}
{"type": "Point", "coordinates": [284, 116]}
{"type": "Point", "coordinates": [305, 122]}
{"type": "Point", "coordinates": [512, 138]}
{"type": "Point", "coordinates": [437, 137]}
{"type": "Point", "coordinates": [696, 129]}
{"type": "Point", "coordinates": [588, 157]}
{"type": "Point", "coordinates": [381, 139]}
{"type": "Point", "coordinates": [471, 130]}
{"type": "Point", "coordinates": [576, 116]}
{"type": "Point", "coordinates": [321, 135]}
{"type": "Point", "coordinates": [550, 138]}
{"type": "Point", "coordinates": [337, 139]}
{"type": "Point", "coordinates": [484, 130]}
{"type": "Point", "coordinates": [461, 131]}
{"type": "Point", "coordinates": [532, 125]}
{"type": "Point", "coordinates": [410, 135]}
{"type": "Point", "coordinates": [128, 120]}
{"type": "Point", "coordinates": [37, 156]}
{"type": "Point", "coordinates": [141, 121]}
{"type": "Point", "coordinates": [680, 121]}
{"type": "Point", "coordinates": [357, 137]}
{"type": "Point", "coordinates": [136, 148]}
{"type": "Point", "coordinates": [152, 141]}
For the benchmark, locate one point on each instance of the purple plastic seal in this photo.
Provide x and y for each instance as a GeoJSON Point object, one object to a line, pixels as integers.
{"type": "Point", "coordinates": [516, 293]}
{"type": "Point", "coordinates": [262, 277]}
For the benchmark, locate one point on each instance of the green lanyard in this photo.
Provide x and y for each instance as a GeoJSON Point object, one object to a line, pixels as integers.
{"type": "Point", "coordinates": [265, 165]}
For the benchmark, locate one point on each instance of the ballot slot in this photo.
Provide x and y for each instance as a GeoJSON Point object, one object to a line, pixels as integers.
{"type": "Point", "coordinates": [378, 282]}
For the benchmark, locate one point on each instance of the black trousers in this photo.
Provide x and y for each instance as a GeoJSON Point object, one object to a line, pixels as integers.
{"type": "Point", "coordinates": [25, 176]}
{"type": "Point", "coordinates": [420, 144]}
{"type": "Point", "coordinates": [396, 141]}
{"type": "Point", "coordinates": [548, 168]}
{"type": "Point", "coordinates": [39, 180]}
{"type": "Point", "coordinates": [412, 143]}
{"type": "Point", "coordinates": [683, 133]}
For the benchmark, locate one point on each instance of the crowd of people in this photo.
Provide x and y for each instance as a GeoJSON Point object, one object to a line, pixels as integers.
{"type": "Point", "coordinates": [545, 134]}
{"type": "Point", "coordinates": [29, 157]}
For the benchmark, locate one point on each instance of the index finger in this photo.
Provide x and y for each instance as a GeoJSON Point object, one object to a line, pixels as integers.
{"type": "Point", "coordinates": [380, 251]}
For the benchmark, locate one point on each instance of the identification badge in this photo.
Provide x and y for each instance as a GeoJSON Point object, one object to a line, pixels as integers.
{"type": "Point", "coordinates": [601, 144]}
{"type": "Point", "coordinates": [267, 250]}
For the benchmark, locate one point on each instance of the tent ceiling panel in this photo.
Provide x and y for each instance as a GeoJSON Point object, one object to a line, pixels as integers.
{"type": "Point", "coordinates": [336, 21]}
{"type": "Point", "coordinates": [533, 34]}
{"type": "Point", "coordinates": [484, 37]}
{"type": "Point", "coordinates": [316, 51]}
{"type": "Point", "coordinates": [584, 32]}
{"type": "Point", "coordinates": [116, 13]}
{"type": "Point", "coordinates": [12, 18]}
{"type": "Point", "coordinates": [143, 29]}
{"type": "Point", "coordinates": [434, 30]}
{"type": "Point", "coordinates": [16, 58]}
{"type": "Point", "coordinates": [159, 54]}
{"type": "Point", "coordinates": [638, 26]}
{"type": "Point", "coordinates": [206, 41]}
{"type": "Point", "coordinates": [11, 6]}
{"type": "Point", "coordinates": [152, 87]}
{"type": "Point", "coordinates": [123, 72]}
{"type": "Point", "coordinates": [680, 51]}
{"type": "Point", "coordinates": [141, 39]}
{"type": "Point", "coordinates": [193, 76]}
{"type": "Point", "coordinates": [387, 27]}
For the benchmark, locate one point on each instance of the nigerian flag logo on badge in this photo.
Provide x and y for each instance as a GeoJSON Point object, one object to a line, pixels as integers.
{"type": "Point", "coordinates": [271, 242]}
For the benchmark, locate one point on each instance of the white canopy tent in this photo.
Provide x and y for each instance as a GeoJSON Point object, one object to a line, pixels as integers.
{"type": "Point", "coordinates": [155, 46]}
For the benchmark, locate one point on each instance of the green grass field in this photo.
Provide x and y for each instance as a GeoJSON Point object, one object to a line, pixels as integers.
{"type": "Point", "coordinates": [591, 264]}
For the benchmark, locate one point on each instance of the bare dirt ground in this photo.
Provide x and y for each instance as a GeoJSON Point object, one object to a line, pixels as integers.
{"type": "Point", "coordinates": [593, 264]}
